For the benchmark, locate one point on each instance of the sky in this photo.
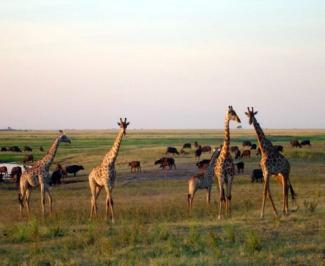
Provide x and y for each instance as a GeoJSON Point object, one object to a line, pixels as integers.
{"type": "Point", "coordinates": [163, 64]}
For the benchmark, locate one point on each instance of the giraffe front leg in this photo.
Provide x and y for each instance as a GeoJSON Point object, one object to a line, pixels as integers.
{"type": "Point", "coordinates": [222, 200]}
{"type": "Point", "coordinates": [27, 202]}
{"type": "Point", "coordinates": [271, 199]}
{"type": "Point", "coordinates": [109, 203]}
{"type": "Point", "coordinates": [229, 196]}
{"type": "Point", "coordinates": [266, 181]}
{"type": "Point", "coordinates": [43, 199]}
{"type": "Point", "coordinates": [49, 197]}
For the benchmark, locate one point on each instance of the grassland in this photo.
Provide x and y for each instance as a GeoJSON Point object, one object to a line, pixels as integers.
{"type": "Point", "coordinates": [152, 225]}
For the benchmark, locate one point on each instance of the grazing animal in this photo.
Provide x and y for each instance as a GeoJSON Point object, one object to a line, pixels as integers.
{"type": "Point", "coordinates": [135, 166]}
{"type": "Point", "coordinates": [166, 162]}
{"type": "Point", "coordinates": [279, 147]}
{"type": "Point", "coordinates": [73, 169]}
{"type": "Point", "coordinates": [57, 175]}
{"type": "Point", "coordinates": [28, 158]}
{"type": "Point", "coordinates": [203, 164]}
{"type": "Point", "coordinates": [41, 148]}
{"type": "Point", "coordinates": [14, 149]}
{"type": "Point", "coordinates": [253, 146]}
{"type": "Point", "coordinates": [104, 175]}
{"type": "Point", "coordinates": [206, 149]}
{"type": "Point", "coordinates": [247, 143]}
{"type": "Point", "coordinates": [27, 148]}
{"type": "Point", "coordinates": [234, 149]}
{"type": "Point", "coordinates": [257, 175]}
{"type": "Point", "coordinates": [16, 173]}
{"type": "Point", "coordinates": [237, 154]}
{"type": "Point", "coordinates": [224, 168]}
{"type": "Point", "coordinates": [36, 175]}
{"type": "Point", "coordinates": [202, 181]}
{"type": "Point", "coordinates": [1, 178]}
{"type": "Point", "coordinates": [305, 142]}
{"type": "Point", "coordinates": [272, 163]}
{"type": "Point", "coordinates": [246, 154]}
{"type": "Point", "coordinates": [240, 167]}
{"type": "Point", "coordinates": [198, 153]}
{"type": "Point", "coordinates": [182, 151]}
{"type": "Point", "coordinates": [295, 143]}
{"type": "Point", "coordinates": [172, 150]}
{"type": "Point", "coordinates": [187, 145]}
{"type": "Point", "coordinates": [3, 170]}
{"type": "Point", "coordinates": [196, 144]}
{"type": "Point", "coordinates": [4, 149]}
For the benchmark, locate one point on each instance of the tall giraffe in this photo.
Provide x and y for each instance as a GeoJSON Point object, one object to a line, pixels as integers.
{"type": "Point", "coordinates": [272, 163]}
{"type": "Point", "coordinates": [104, 174]}
{"type": "Point", "coordinates": [224, 168]}
{"type": "Point", "coordinates": [36, 176]}
{"type": "Point", "coordinates": [202, 181]}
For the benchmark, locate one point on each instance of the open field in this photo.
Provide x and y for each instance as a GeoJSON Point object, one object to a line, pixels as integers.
{"type": "Point", "coordinates": [152, 225]}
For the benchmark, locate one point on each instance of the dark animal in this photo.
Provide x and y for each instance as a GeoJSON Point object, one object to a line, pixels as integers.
{"type": "Point", "coordinates": [1, 178]}
{"type": "Point", "coordinates": [246, 153]}
{"type": "Point", "coordinates": [257, 175]}
{"type": "Point", "coordinates": [27, 148]}
{"type": "Point", "coordinates": [198, 152]}
{"type": "Point", "coordinates": [166, 162]}
{"type": "Point", "coordinates": [234, 149]}
{"type": "Point", "coordinates": [253, 147]}
{"type": "Point", "coordinates": [247, 143]}
{"type": "Point", "coordinates": [240, 167]}
{"type": "Point", "coordinates": [41, 148]}
{"type": "Point", "coordinates": [57, 175]}
{"type": "Point", "coordinates": [196, 144]}
{"type": "Point", "coordinates": [237, 154]}
{"type": "Point", "coordinates": [295, 143]}
{"type": "Point", "coordinates": [172, 150]}
{"type": "Point", "coordinates": [187, 145]}
{"type": "Point", "coordinates": [16, 174]}
{"type": "Point", "coordinates": [206, 149]}
{"type": "Point", "coordinates": [3, 170]}
{"type": "Point", "coordinates": [135, 166]}
{"type": "Point", "coordinates": [305, 142]}
{"type": "Point", "coordinates": [182, 151]}
{"type": "Point", "coordinates": [28, 158]}
{"type": "Point", "coordinates": [14, 149]}
{"type": "Point", "coordinates": [73, 169]}
{"type": "Point", "coordinates": [4, 149]}
{"type": "Point", "coordinates": [278, 148]}
{"type": "Point", "coordinates": [203, 164]}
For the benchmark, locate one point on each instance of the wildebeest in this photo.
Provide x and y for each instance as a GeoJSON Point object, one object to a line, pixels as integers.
{"type": "Point", "coordinates": [206, 149]}
{"type": "Point", "coordinates": [234, 149]}
{"type": "Point", "coordinates": [278, 148]}
{"type": "Point", "coordinates": [28, 158]}
{"type": "Point", "coordinates": [257, 175]}
{"type": "Point", "coordinates": [240, 167]}
{"type": "Point", "coordinates": [198, 152]}
{"type": "Point", "coordinates": [57, 174]}
{"type": "Point", "coordinates": [16, 174]}
{"type": "Point", "coordinates": [166, 161]}
{"type": "Point", "coordinates": [253, 147]}
{"type": "Point", "coordinates": [203, 164]}
{"type": "Point", "coordinates": [3, 170]}
{"type": "Point", "coordinates": [247, 143]}
{"type": "Point", "coordinates": [305, 142]}
{"type": "Point", "coordinates": [41, 148]}
{"type": "Point", "coordinates": [4, 149]}
{"type": "Point", "coordinates": [14, 149]}
{"type": "Point", "coordinates": [172, 150]}
{"type": "Point", "coordinates": [237, 154]}
{"type": "Point", "coordinates": [295, 143]}
{"type": "Point", "coordinates": [135, 166]}
{"type": "Point", "coordinates": [246, 153]}
{"type": "Point", "coordinates": [187, 145]}
{"type": "Point", "coordinates": [73, 169]}
{"type": "Point", "coordinates": [27, 148]}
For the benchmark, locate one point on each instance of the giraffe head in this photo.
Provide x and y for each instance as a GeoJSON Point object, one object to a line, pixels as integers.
{"type": "Point", "coordinates": [123, 124]}
{"type": "Point", "coordinates": [251, 114]}
{"type": "Point", "coordinates": [232, 114]}
{"type": "Point", "coordinates": [63, 137]}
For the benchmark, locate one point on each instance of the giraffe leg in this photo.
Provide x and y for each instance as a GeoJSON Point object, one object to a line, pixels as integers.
{"type": "Point", "coordinates": [109, 203]}
{"type": "Point", "coordinates": [43, 199]}
{"type": "Point", "coordinates": [229, 195]}
{"type": "Point", "coordinates": [266, 181]}
{"type": "Point", "coordinates": [49, 197]}
{"type": "Point", "coordinates": [271, 199]}
{"type": "Point", "coordinates": [21, 198]}
{"type": "Point", "coordinates": [93, 189]}
{"type": "Point", "coordinates": [27, 198]}
{"type": "Point", "coordinates": [222, 200]}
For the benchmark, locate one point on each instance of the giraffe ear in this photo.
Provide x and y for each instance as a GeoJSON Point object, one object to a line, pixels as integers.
{"type": "Point", "coordinates": [246, 113]}
{"type": "Point", "coordinates": [255, 113]}
{"type": "Point", "coordinates": [61, 131]}
{"type": "Point", "coordinates": [128, 123]}
{"type": "Point", "coordinates": [119, 123]}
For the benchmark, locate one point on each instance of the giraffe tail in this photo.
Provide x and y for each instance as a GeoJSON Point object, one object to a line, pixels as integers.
{"type": "Point", "coordinates": [293, 193]}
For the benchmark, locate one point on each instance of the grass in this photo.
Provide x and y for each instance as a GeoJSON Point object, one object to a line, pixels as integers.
{"type": "Point", "coordinates": [152, 225]}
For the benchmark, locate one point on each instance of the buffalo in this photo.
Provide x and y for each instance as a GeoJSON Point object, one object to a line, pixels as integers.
{"type": "Point", "coordinates": [257, 175]}
{"type": "Point", "coordinates": [295, 143]}
{"type": "Point", "coordinates": [247, 143]}
{"type": "Point", "coordinates": [203, 164]}
{"type": "Point", "coordinates": [135, 166]}
{"type": "Point", "coordinates": [240, 167]}
{"type": "Point", "coordinates": [172, 150]}
{"type": "Point", "coordinates": [206, 149]}
{"type": "Point", "coordinates": [305, 142]}
{"type": "Point", "coordinates": [73, 169]}
{"type": "Point", "coordinates": [166, 162]}
{"type": "Point", "coordinates": [187, 145]}
{"type": "Point", "coordinates": [27, 148]}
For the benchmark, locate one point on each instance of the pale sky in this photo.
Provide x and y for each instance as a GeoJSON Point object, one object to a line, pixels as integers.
{"type": "Point", "coordinates": [163, 64]}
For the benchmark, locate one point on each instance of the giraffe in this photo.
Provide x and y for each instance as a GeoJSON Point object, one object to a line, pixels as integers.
{"type": "Point", "coordinates": [272, 163]}
{"type": "Point", "coordinates": [36, 176]}
{"type": "Point", "coordinates": [202, 181]}
{"type": "Point", "coordinates": [224, 168]}
{"type": "Point", "coordinates": [104, 174]}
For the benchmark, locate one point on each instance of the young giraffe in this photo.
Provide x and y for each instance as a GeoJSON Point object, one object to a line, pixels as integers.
{"type": "Point", "coordinates": [224, 168]}
{"type": "Point", "coordinates": [202, 181]}
{"type": "Point", "coordinates": [104, 174]}
{"type": "Point", "coordinates": [37, 174]}
{"type": "Point", "coordinates": [272, 163]}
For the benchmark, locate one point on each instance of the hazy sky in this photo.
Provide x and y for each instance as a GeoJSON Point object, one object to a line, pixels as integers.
{"type": "Point", "coordinates": [163, 64]}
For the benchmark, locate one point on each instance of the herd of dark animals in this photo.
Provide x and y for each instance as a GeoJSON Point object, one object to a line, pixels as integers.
{"type": "Point", "coordinates": [164, 162]}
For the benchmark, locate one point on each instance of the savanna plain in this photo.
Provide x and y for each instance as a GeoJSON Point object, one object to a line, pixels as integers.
{"type": "Point", "coordinates": [152, 223]}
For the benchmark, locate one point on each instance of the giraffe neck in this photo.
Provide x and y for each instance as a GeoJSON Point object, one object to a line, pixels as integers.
{"type": "Point", "coordinates": [260, 135]}
{"type": "Point", "coordinates": [226, 143]}
{"type": "Point", "coordinates": [49, 157]}
{"type": "Point", "coordinates": [111, 156]}
{"type": "Point", "coordinates": [210, 171]}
